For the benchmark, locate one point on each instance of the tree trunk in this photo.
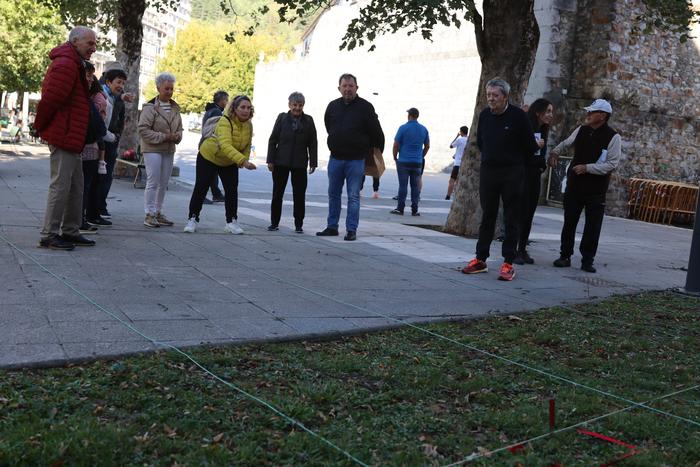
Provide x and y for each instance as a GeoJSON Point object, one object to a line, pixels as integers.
{"type": "Point", "coordinates": [129, 39]}
{"type": "Point", "coordinates": [507, 43]}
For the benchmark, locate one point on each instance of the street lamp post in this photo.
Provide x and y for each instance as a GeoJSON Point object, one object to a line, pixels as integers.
{"type": "Point", "coordinates": [692, 282]}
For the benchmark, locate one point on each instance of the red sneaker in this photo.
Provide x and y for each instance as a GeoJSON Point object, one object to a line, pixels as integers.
{"type": "Point", "coordinates": [507, 272]}
{"type": "Point", "coordinates": [475, 266]}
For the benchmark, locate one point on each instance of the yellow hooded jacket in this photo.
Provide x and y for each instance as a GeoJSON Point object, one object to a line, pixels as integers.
{"type": "Point", "coordinates": [230, 143]}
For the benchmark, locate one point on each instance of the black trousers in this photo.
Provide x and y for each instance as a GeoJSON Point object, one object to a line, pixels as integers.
{"type": "Point", "coordinates": [90, 190]}
{"type": "Point", "coordinates": [105, 181]}
{"type": "Point", "coordinates": [499, 183]}
{"type": "Point", "coordinates": [214, 185]}
{"type": "Point", "coordinates": [574, 204]}
{"type": "Point", "coordinates": [528, 205]}
{"type": "Point", "coordinates": [375, 183]}
{"type": "Point", "coordinates": [229, 179]}
{"type": "Point", "coordinates": [280, 175]}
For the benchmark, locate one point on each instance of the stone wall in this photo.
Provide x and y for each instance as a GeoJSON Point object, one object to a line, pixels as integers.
{"type": "Point", "coordinates": [651, 80]}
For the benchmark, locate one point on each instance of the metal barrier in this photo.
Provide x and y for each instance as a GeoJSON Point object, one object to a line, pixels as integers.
{"type": "Point", "coordinates": [661, 202]}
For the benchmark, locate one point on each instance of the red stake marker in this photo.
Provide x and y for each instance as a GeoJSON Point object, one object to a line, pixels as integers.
{"type": "Point", "coordinates": [551, 414]}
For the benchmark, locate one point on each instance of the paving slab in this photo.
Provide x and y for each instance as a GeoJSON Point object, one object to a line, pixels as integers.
{"type": "Point", "coordinates": [216, 288]}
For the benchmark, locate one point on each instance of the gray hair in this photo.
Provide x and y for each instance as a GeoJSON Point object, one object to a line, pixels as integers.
{"type": "Point", "coordinates": [164, 77]}
{"type": "Point", "coordinates": [297, 97]}
{"type": "Point", "coordinates": [499, 83]}
{"type": "Point", "coordinates": [79, 32]}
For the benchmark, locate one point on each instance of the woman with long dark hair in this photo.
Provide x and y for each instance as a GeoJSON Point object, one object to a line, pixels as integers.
{"type": "Point", "coordinates": [222, 154]}
{"type": "Point", "coordinates": [540, 113]}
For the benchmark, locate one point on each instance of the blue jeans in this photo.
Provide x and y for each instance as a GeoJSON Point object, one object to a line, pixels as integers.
{"type": "Point", "coordinates": [405, 173]}
{"type": "Point", "coordinates": [340, 171]}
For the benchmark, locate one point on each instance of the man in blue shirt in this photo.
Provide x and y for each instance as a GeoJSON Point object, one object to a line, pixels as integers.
{"type": "Point", "coordinates": [411, 144]}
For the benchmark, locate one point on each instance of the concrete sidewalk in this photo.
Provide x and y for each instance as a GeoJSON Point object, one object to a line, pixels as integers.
{"type": "Point", "coordinates": [212, 287]}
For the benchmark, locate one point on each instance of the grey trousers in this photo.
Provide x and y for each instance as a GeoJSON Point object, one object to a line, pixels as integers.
{"type": "Point", "coordinates": [64, 206]}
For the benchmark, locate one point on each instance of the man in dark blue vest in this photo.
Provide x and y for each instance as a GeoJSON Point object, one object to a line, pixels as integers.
{"type": "Point", "coordinates": [597, 150]}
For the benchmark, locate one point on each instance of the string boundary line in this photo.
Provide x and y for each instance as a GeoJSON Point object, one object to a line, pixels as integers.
{"type": "Point", "coordinates": [290, 420]}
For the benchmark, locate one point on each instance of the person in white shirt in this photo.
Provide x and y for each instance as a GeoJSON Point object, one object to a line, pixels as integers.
{"type": "Point", "coordinates": [458, 144]}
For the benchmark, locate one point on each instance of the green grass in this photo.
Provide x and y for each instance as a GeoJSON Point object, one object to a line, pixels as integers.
{"type": "Point", "coordinates": [397, 397]}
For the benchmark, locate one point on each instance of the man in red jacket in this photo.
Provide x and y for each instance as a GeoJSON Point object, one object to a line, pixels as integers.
{"type": "Point", "coordinates": [62, 118]}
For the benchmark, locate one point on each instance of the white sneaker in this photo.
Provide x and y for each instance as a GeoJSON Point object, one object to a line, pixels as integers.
{"type": "Point", "coordinates": [191, 226]}
{"type": "Point", "coordinates": [233, 227]}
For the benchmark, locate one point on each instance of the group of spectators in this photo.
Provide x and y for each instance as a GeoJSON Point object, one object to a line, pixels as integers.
{"type": "Point", "coordinates": [82, 119]}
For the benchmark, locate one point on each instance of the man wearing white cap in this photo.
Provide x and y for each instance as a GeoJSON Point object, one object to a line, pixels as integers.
{"type": "Point", "coordinates": [597, 150]}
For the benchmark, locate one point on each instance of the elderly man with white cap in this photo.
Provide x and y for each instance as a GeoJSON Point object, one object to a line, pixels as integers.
{"type": "Point", "coordinates": [597, 150]}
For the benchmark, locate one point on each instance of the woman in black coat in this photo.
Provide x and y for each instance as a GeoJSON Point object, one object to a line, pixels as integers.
{"type": "Point", "coordinates": [540, 114]}
{"type": "Point", "coordinates": [291, 149]}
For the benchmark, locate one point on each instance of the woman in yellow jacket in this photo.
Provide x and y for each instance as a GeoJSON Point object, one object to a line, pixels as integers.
{"type": "Point", "coordinates": [222, 154]}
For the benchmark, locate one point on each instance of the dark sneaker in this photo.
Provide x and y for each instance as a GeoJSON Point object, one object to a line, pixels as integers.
{"type": "Point", "coordinates": [518, 259]}
{"type": "Point", "coordinates": [562, 262]}
{"type": "Point", "coordinates": [87, 229]}
{"type": "Point", "coordinates": [99, 221]}
{"type": "Point", "coordinates": [207, 201]}
{"type": "Point", "coordinates": [105, 213]}
{"type": "Point", "coordinates": [588, 267]}
{"type": "Point", "coordinates": [395, 198]}
{"type": "Point", "coordinates": [447, 198]}
{"type": "Point", "coordinates": [273, 228]}
{"type": "Point", "coordinates": [328, 232]}
{"type": "Point", "coordinates": [527, 259]}
{"type": "Point", "coordinates": [396, 211]}
{"type": "Point", "coordinates": [415, 213]}
{"type": "Point", "coordinates": [299, 230]}
{"type": "Point", "coordinates": [475, 266]}
{"type": "Point", "coordinates": [55, 242]}
{"type": "Point", "coordinates": [218, 199]}
{"type": "Point", "coordinates": [351, 236]}
{"type": "Point", "coordinates": [507, 272]}
{"type": "Point", "coordinates": [77, 240]}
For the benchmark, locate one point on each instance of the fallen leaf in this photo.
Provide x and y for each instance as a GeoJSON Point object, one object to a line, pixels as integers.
{"type": "Point", "coordinates": [429, 450]}
{"type": "Point", "coordinates": [514, 318]}
{"type": "Point", "coordinates": [218, 438]}
{"type": "Point", "coordinates": [169, 432]}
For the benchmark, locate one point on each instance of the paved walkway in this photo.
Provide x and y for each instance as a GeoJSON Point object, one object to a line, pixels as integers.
{"type": "Point", "coordinates": [212, 287]}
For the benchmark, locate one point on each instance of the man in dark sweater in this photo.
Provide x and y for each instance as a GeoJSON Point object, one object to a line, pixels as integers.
{"type": "Point", "coordinates": [597, 151]}
{"type": "Point", "coordinates": [506, 141]}
{"type": "Point", "coordinates": [353, 130]}
{"type": "Point", "coordinates": [215, 109]}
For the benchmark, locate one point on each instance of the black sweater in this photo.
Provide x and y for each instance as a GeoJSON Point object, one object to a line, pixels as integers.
{"type": "Point", "coordinates": [505, 139]}
{"type": "Point", "coordinates": [293, 144]}
{"type": "Point", "coordinates": [353, 129]}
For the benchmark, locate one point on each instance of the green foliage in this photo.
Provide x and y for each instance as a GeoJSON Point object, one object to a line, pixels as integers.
{"type": "Point", "coordinates": [203, 61]}
{"type": "Point", "coordinates": [379, 17]}
{"type": "Point", "coordinates": [676, 16]}
{"type": "Point", "coordinates": [27, 33]}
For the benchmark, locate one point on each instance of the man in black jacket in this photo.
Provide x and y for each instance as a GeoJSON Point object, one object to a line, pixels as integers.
{"type": "Point", "coordinates": [353, 131]}
{"type": "Point", "coordinates": [597, 152]}
{"type": "Point", "coordinates": [505, 140]}
{"type": "Point", "coordinates": [215, 109]}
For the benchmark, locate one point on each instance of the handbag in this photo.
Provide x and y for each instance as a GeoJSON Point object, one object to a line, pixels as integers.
{"type": "Point", "coordinates": [374, 163]}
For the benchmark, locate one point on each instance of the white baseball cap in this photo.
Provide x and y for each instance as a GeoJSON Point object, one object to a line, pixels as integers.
{"type": "Point", "coordinates": [599, 105]}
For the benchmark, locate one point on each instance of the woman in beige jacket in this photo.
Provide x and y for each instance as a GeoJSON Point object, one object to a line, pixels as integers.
{"type": "Point", "coordinates": [160, 129]}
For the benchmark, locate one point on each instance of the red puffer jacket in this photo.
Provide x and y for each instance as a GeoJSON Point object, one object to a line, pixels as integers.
{"type": "Point", "coordinates": [63, 112]}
